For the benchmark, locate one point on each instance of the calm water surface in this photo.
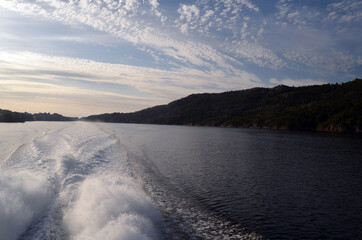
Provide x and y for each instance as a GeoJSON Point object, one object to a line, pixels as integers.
{"type": "Point", "coordinates": [279, 184]}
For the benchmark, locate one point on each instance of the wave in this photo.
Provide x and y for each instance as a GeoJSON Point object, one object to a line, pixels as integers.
{"type": "Point", "coordinates": [109, 207]}
{"type": "Point", "coordinates": [24, 196]}
{"type": "Point", "coordinates": [72, 183]}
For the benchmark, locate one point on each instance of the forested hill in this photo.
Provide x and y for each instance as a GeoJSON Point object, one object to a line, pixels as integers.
{"type": "Point", "coordinates": [329, 107]}
{"type": "Point", "coordinates": [9, 116]}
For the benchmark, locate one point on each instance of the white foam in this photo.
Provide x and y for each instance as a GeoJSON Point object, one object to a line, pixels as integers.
{"type": "Point", "coordinates": [87, 191]}
{"type": "Point", "coordinates": [23, 197]}
{"type": "Point", "coordinates": [109, 207]}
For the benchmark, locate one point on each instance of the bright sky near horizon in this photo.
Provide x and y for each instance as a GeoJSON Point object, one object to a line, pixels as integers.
{"type": "Point", "coordinates": [82, 57]}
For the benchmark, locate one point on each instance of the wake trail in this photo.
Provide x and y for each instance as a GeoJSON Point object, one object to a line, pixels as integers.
{"type": "Point", "coordinates": [73, 182]}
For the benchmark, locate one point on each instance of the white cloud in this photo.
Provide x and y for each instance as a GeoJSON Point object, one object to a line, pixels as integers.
{"type": "Point", "coordinates": [314, 37]}
{"type": "Point", "coordinates": [207, 15]}
{"type": "Point", "coordinates": [154, 8]}
{"type": "Point", "coordinates": [154, 4]}
{"type": "Point", "coordinates": [131, 5]}
{"type": "Point", "coordinates": [188, 12]}
{"type": "Point", "coordinates": [291, 13]}
{"type": "Point", "coordinates": [136, 23]}
{"type": "Point", "coordinates": [345, 11]}
{"type": "Point", "coordinates": [189, 16]}
{"type": "Point", "coordinates": [256, 54]}
{"type": "Point", "coordinates": [221, 20]}
{"type": "Point", "coordinates": [122, 20]}
{"type": "Point", "coordinates": [335, 61]}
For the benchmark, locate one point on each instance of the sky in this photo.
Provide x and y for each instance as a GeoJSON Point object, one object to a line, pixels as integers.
{"type": "Point", "coordinates": [84, 57]}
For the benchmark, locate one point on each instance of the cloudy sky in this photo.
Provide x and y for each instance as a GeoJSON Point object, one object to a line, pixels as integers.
{"type": "Point", "coordinates": [82, 57]}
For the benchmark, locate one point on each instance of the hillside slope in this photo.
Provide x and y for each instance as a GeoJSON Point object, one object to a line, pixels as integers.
{"type": "Point", "coordinates": [9, 116]}
{"type": "Point", "coordinates": [329, 107]}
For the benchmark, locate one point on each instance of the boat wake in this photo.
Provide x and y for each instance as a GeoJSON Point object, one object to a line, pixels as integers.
{"type": "Point", "coordinates": [73, 183]}
{"type": "Point", "coordinates": [85, 181]}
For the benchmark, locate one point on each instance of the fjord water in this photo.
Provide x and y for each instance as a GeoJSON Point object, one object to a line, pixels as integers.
{"type": "Point", "coordinates": [126, 181]}
{"type": "Point", "coordinates": [279, 184]}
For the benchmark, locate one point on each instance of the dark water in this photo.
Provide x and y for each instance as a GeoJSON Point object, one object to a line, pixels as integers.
{"type": "Point", "coordinates": [279, 184]}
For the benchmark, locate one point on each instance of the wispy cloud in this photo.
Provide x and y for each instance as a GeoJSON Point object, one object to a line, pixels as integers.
{"type": "Point", "coordinates": [209, 26]}
{"type": "Point", "coordinates": [46, 74]}
{"type": "Point", "coordinates": [126, 20]}
{"type": "Point", "coordinates": [322, 35]}
{"type": "Point", "coordinates": [122, 20]}
{"type": "Point", "coordinates": [221, 20]}
{"type": "Point", "coordinates": [290, 13]}
{"type": "Point", "coordinates": [334, 61]}
{"type": "Point", "coordinates": [138, 77]}
{"type": "Point", "coordinates": [345, 11]}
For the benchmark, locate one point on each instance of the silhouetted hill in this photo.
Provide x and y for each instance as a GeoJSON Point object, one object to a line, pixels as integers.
{"type": "Point", "coordinates": [329, 107]}
{"type": "Point", "coordinates": [9, 116]}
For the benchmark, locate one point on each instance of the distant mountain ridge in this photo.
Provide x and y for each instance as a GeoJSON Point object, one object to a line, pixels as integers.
{"type": "Point", "coordinates": [328, 107]}
{"type": "Point", "coordinates": [9, 116]}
